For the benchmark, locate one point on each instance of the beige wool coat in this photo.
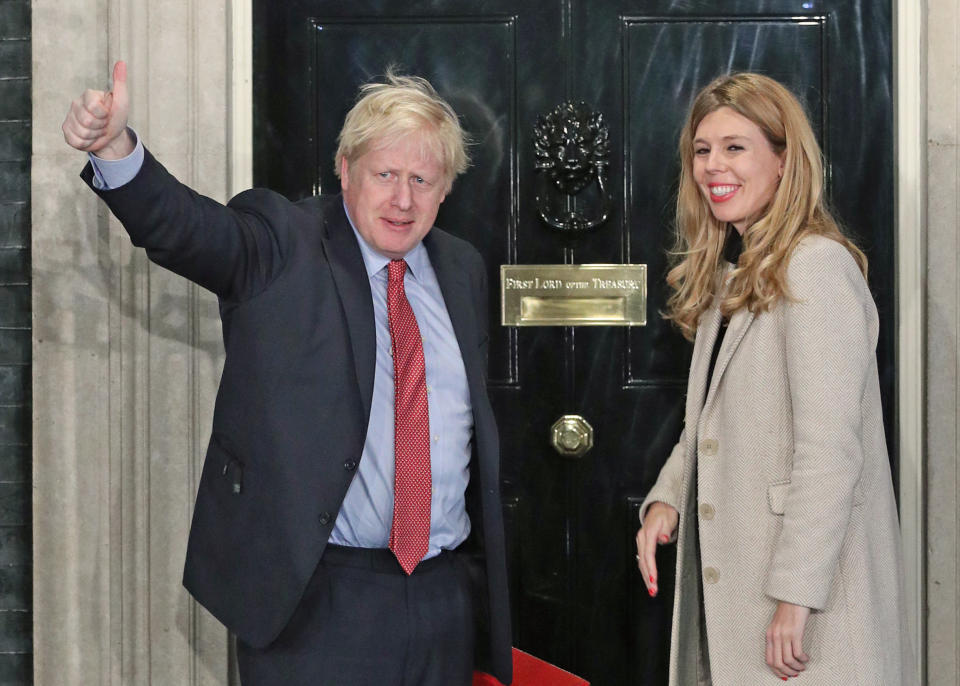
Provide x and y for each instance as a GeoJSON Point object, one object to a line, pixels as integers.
{"type": "Point", "coordinates": [794, 496]}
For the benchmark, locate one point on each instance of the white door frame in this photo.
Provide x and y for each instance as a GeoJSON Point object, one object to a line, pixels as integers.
{"type": "Point", "coordinates": [910, 115]}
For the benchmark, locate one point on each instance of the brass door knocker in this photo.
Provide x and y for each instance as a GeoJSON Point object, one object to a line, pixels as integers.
{"type": "Point", "coordinates": [572, 144]}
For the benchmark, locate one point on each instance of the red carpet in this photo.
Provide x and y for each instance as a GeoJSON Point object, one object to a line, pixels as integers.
{"type": "Point", "coordinates": [531, 671]}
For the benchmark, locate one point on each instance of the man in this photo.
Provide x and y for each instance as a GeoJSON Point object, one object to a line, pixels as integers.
{"type": "Point", "coordinates": [353, 448]}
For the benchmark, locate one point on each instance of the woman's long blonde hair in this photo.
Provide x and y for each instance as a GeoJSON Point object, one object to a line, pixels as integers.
{"type": "Point", "coordinates": [797, 210]}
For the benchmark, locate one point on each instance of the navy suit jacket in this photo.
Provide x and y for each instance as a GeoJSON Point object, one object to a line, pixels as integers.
{"type": "Point", "coordinates": [294, 399]}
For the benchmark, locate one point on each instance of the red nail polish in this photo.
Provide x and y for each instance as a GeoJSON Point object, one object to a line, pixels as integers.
{"type": "Point", "coordinates": [784, 678]}
{"type": "Point", "coordinates": [664, 539]}
{"type": "Point", "coordinates": [651, 578]}
{"type": "Point", "coordinates": [652, 592]}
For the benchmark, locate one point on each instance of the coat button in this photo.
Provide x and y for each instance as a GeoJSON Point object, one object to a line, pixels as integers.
{"type": "Point", "coordinates": [324, 518]}
{"type": "Point", "coordinates": [350, 465]}
{"type": "Point", "coordinates": [706, 511]}
{"type": "Point", "coordinates": [709, 446]}
{"type": "Point", "coordinates": [711, 575]}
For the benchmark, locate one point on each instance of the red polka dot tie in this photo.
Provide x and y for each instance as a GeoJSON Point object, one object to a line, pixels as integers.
{"type": "Point", "coordinates": [410, 532]}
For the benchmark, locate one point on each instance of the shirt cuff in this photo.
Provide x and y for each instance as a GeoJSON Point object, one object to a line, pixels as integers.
{"type": "Point", "coordinates": [110, 174]}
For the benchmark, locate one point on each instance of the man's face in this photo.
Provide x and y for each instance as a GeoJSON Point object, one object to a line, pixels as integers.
{"type": "Point", "coordinates": [393, 193]}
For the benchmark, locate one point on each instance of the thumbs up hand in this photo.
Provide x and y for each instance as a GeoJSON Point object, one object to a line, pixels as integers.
{"type": "Point", "coordinates": [97, 120]}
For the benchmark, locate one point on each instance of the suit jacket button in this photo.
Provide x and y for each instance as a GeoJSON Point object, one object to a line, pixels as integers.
{"type": "Point", "coordinates": [324, 518]}
{"type": "Point", "coordinates": [706, 511]}
{"type": "Point", "coordinates": [711, 575]}
{"type": "Point", "coordinates": [350, 465]}
{"type": "Point", "coordinates": [709, 446]}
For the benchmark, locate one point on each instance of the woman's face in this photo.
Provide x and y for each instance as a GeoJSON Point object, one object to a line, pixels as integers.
{"type": "Point", "coordinates": [735, 167]}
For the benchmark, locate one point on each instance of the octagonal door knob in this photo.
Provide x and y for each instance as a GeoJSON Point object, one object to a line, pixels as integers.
{"type": "Point", "coordinates": [571, 436]}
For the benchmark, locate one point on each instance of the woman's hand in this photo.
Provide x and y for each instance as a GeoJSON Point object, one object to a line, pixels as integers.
{"type": "Point", "coordinates": [785, 654]}
{"type": "Point", "coordinates": [658, 527]}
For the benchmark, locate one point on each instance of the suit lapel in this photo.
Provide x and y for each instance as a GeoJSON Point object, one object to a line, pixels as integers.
{"type": "Point", "coordinates": [353, 286]}
{"type": "Point", "coordinates": [455, 287]}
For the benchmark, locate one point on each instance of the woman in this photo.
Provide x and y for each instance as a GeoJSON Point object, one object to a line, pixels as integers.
{"type": "Point", "coordinates": [778, 493]}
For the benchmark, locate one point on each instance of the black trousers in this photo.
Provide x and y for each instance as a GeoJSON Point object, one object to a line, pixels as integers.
{"type": "Point", "coordinates": [363, 622]}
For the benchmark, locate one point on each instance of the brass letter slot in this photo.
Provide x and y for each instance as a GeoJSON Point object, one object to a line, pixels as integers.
{"type": "Point", "coordinates": [537, 310]}
{"type": "Point", "coordinates": [573, 294]}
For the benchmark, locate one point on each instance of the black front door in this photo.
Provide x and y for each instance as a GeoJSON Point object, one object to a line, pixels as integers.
{"type": "Point", "coordinates": [577, 597]}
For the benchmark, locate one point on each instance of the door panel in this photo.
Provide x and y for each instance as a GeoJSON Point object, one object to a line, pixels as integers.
{"type": "Point", "coordinates": [577, 598]}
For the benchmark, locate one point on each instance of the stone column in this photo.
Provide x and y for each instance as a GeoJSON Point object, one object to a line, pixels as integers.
{"type": "Point", "coordinates": [943, 343]}
{"type": "Point", "coordinates": [126, 355]}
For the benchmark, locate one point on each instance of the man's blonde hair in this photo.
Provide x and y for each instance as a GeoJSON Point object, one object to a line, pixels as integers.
{"type": "Point", "coordinates": [796, 210]}
{"type": "Point", "coordinates": [403, 106]}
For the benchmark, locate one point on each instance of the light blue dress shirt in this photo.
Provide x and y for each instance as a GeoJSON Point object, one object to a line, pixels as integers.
{"type": "Point", "coordinates": [109, 174]}
{"type": "Point", "coordinates": [367, 512]}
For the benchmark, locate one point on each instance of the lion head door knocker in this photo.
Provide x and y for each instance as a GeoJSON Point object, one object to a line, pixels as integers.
{"type": "Point", "coordinates": [572, 143]}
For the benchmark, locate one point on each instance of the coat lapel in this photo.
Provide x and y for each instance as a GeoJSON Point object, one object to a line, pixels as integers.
{"type": "Point", "coordinates": [697, 385]}
{"type": "Point", "coordinates": [739, 323]}
{"type": "Point", "coordinates": [353, 286]}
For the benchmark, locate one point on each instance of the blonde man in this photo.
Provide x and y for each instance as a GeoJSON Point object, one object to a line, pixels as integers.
{"type": "Point", "coordinates": [351, 483]}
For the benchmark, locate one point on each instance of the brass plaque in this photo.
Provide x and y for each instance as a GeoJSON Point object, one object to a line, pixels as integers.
{"type": "Point", "coordinates": [573, 294]}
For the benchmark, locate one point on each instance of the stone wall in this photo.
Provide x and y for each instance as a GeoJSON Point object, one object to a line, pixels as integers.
{"type": "Point", "coordinates": [126, 355]}
{"type": "Point", "coordinates": [943, 343]}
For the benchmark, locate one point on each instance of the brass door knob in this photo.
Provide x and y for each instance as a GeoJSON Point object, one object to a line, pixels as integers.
{"type": "Point", "coordinates": [571, 435]}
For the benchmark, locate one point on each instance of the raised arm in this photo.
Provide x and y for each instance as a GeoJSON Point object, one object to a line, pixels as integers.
{"type": "Point", "coordinates": [234, 251]}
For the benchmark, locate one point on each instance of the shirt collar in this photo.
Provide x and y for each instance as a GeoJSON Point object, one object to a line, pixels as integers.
{"type": "Point", "coordinates": [374, 262]}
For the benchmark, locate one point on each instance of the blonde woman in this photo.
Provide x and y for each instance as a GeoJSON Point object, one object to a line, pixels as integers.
{"type": "Point", "coordinates": [778, 493]}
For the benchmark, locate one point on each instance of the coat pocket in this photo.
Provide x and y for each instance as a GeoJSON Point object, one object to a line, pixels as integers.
{"type": "Point", "coordinates": [777, 495]}
{"type": "Point", "coordinates": [230, 467]}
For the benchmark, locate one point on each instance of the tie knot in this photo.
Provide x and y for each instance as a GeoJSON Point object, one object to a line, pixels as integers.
{"type": "Point", "coordinates": [396, 269]}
